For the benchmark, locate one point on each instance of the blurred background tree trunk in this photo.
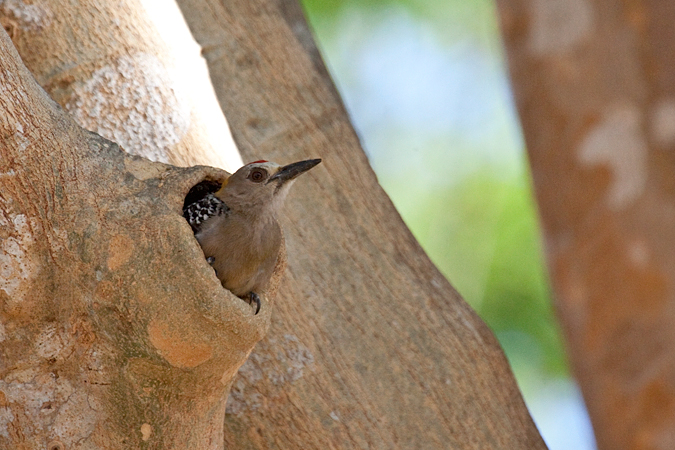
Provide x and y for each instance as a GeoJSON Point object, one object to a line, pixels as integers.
{"type": "Point", "coordinates": [595, 88]}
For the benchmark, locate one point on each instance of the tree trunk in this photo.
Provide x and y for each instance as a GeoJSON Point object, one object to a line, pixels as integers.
{"type": "Point", "coordinates": [595, 87]}
{"type": "Point", "coordinates": [370, 346]}
{"type": "Point", "coordinates": [129, 71]}
{"type": "Point", "coordinates": [115, 332]}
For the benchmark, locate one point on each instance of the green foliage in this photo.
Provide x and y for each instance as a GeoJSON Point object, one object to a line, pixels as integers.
{"type": "Point", "coordinates": [425, 9]}
{"type": "Point", "coordinates": [453, 18]}
{"type": "Point", "coordinates": [517, 295]}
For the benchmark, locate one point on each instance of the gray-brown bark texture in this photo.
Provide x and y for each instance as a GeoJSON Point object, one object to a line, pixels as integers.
{"type": "Point", "coordinates": [114, 331]}
{"type": "Point", "coordinates": [370, 347]}
{"type": "Point", "coordinates": [595, 88]}
{"type": "Point", "coordinates": [129, 71]}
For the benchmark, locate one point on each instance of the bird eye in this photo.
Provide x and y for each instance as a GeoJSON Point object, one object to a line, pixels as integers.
{"type": "Point", "coordinates": [257, 175]}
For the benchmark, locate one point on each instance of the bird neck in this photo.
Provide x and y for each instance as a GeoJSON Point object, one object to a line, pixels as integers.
{"type": "Point", "coordinates": [258, 210]}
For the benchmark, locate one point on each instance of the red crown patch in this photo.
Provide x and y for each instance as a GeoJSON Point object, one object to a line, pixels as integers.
{"type": "Point", "coordinates": [258, 161]}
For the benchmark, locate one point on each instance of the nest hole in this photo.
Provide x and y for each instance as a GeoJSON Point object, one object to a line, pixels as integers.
{"type": "Point", "coordinates": [194, 211]}
{"type": "Point", "coordinates": [201, 190]}
{"type": "Point", "coordinates": [56, 445]}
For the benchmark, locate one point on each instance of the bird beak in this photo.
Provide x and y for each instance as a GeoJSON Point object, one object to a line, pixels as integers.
{"type": "Point", "coordinates": [291, 171]}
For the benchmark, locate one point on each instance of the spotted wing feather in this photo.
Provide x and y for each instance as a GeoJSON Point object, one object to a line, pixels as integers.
{"type": "Point", "coordinates": [200, 211]}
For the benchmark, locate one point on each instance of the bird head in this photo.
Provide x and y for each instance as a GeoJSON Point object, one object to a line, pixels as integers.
{"type": "Point", "coordinates": [261, 185]}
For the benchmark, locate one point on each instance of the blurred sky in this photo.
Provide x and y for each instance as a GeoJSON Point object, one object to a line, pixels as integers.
{"type": "Point", "coordinates": [425, 84]}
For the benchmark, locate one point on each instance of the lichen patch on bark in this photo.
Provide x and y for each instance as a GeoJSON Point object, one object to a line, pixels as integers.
{"type": "Point", "coordinates": [50, 343]}
{"type": "Point", "coordinates": [15, 264]}
{"type": "Point", "coordinates": [558, 26]}
{"type": "Point", "coordinates": [292, 358]}
{"type": "Point", "coordinates": [663, 122]}
{"type": "Point", "coordinates": [31, 16]}
{"type": "Point", "coordinates": [75, 420]}
{"type": "Point", "coordinates": [618, 143]}
{"type": "Point", "coordinates": [29, 401]}
{"type": "Point", "coordinates": [6, 417]}
{"type": "Point", "coordinates": [134, 102]}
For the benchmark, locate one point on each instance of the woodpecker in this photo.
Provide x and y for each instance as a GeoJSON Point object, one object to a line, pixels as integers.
{"type": "Point", "coordinates": [237, 225]}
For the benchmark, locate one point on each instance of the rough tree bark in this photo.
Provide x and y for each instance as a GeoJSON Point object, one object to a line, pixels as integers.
{"type": "Point", "coordinates": [391, 356]}
{"type": "Point", "coordinates": [115, 332]}
{"type": "Point", "coordinates": [129, 71]}
{"type": "Point", "coordinates": [595, 88]}
{"type": "Point", "coordinates": [370, 346]}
